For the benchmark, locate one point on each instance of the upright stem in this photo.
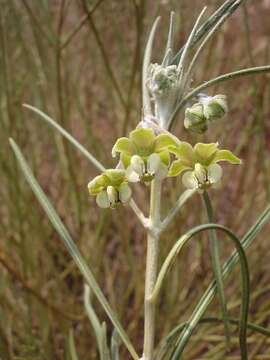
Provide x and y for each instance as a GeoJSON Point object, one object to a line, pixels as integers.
{"type": "Point", "coordinates": [151, 271]}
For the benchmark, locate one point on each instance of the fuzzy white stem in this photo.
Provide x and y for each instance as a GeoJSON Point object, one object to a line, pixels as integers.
{"type": "Point", "coordinates": [151, 271]}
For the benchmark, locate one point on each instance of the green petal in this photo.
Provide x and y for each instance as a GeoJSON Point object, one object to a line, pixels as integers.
{"type": "Point", "coordinates": [123, 145]}
{"type": "Point", "coordinates": [165, 157]}
{"type": "Point", "coordinates": [177, 168]}
{"type": "Point", "coordinates": [163, 141]}
{"type": "Point", "coordinates": [226, 155]}
{"type": "Point", "coordinates": [115, 176]}
{"type": "Point", "coordinates": [142, 138]}
{"type": "Point", "coordinates": [125, 159]}
{"type": "Point", "coordinates": [205, 152]}
{"type": "Point", "coordinates": [97, 184]}
{"type": "Point", "coordinates": [184, 152]}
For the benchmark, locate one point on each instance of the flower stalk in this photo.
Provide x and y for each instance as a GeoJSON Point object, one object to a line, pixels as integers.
{"type": "Point", "coordinates": [151, 270]}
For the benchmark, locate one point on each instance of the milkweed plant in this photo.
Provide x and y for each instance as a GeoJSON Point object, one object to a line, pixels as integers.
{"type": "Point", "coordinates": [150, 155]}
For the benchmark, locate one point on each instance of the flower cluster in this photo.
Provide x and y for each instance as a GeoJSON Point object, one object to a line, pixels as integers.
{"type": "Point", "coordinates": [145, 156]}
{"type": "Point", "coordinates": [110, 188]}
{"type": "Point", "coordinates": [202, 113]}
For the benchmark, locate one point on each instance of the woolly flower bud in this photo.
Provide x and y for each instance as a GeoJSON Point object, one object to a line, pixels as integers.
{"type": "Point", "coordinates": [164, 86]}
{"type": "Point", "coordinates": [195, 119]}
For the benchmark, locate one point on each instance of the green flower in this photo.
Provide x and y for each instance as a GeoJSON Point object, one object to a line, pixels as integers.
{"type": "Point", "coordinates": [144, 155]}
{"type": "Point", "coordinates": [200, 164]}
{"type": "Point", "coordinates": [195, 119]}
{"type": "Point", "coordinates": [110, 188]}
{"type": "Point", "coordinates": [214, 106]}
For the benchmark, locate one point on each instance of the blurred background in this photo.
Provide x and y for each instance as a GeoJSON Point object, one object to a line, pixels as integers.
{"type": "Point", "coordinates": [80, 62]}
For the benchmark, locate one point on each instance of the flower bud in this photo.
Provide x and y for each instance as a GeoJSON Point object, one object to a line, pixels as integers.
{"type": "Point", "coordinates": [195, 119]}
{"type": "Point", "coordinates": [164, 86]}
{"type": "Point", "coordinates": [214, 107]}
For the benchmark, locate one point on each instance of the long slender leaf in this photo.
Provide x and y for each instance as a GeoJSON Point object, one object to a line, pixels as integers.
{"type": "Point", "coordinates": [71, 247]}
{"type": "Point", "coordinates": [146, 63]}
{"type": "Point", "coordinates": [228, 7]}
{"type": "Point", "coordinates": [217, 268]}
{"type": "Point", "coordinates": [228, 267]}
{"type": "Point", "coordinates": [244, 280]}
{"type": "Point", "coordinates": [99, 330]}
{"type": "Point", "coordinates": [72, 347]}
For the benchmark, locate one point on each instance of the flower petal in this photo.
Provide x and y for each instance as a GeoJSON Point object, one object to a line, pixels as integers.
{"type": "Point", "coordinates": [137, 165]}
{"type": "Point", "coordinates": [123, 145]}
{"type": "Point", "coordinates": [205, 152]}
{"type": "Point", "coordinates": [165, 157]}
{"type": "Point", "coordinates": [226, 155]}
{"type": "Point", "coordinates": [112, 195]}
{"type": "Point", "coordinates": [214, 173]}
{"type": "Point", "coordinates": [97, 184]}
{"type": "Point", "coordinates": [162, 172]}
{"type": "Point", "coordinates": [131, 175]}
{"type": "Point", "coordinates": [153, 163]}
{"type": "Point", "coordinates": [189, 180]}
{"type": "Point", "coordinates": [115, 176]}
{"type": "Point", "coordinates": [163, 141]}
{"type": "Point", "coordinates": [184, 152]}
{"type": "Point", "coordinates": [142, 138]}
{"type": "Point", "coordinates": [103, 200]}
{"type": "Point", "coordinates": [177, 168]}
{"type": "Point", "coordinates": [124, 193]}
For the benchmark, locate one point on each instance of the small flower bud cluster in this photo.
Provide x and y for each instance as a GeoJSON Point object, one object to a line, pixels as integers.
{"type": "Point", "coordinates": [207, 110]}
{"type": "Point", "coordinates": [163, 84]}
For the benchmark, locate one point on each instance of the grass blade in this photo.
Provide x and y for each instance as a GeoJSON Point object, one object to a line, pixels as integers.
{"type": "Point", "coordinates": [71, 246]}
{"type": "Point", "coordinates": [228, 267]}
{"type": "Point", "coordinates": [72, 347]}
{"type": "Point", "coordinates": [70, 138]}
{"type": "Point", "coordinates": [99, 330]}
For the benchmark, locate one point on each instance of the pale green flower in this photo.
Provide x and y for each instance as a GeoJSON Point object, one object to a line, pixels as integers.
{"type": "Point", "coordinates": [144, 155]}
{"type": "Point", "coordinates": [110, 188]}
{"type": "Point", "coordinates": [199, 165]}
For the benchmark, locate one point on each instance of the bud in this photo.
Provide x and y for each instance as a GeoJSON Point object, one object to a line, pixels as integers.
{"type": "Point", "coordinates": [214, 107]}
{"type": "Point", "coordinates": [164, 86]}
{"type": "Point", "coordinates": [195, 119]}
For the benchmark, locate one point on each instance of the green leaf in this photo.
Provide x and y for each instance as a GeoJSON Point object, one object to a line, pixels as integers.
{"type": "Point", "coordinates": [217, 268]}
{"type": "Point", "coordinates": [123, 145]}
{"type": "Point", "coordinates": [226, 155]}
{"type": "Point", "coordinates": [71, 246]}
{"type": "Point", "coordinates": [163, 141]}
{"type": "Point", "coordinates": [177, 168]}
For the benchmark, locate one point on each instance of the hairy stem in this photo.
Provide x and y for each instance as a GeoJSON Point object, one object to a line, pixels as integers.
{"type": "Point", "coordinates": [151, 271]}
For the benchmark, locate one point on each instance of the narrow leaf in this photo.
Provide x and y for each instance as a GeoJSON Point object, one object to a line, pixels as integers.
{"type": "Point", "coordinates": [70, 245]}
